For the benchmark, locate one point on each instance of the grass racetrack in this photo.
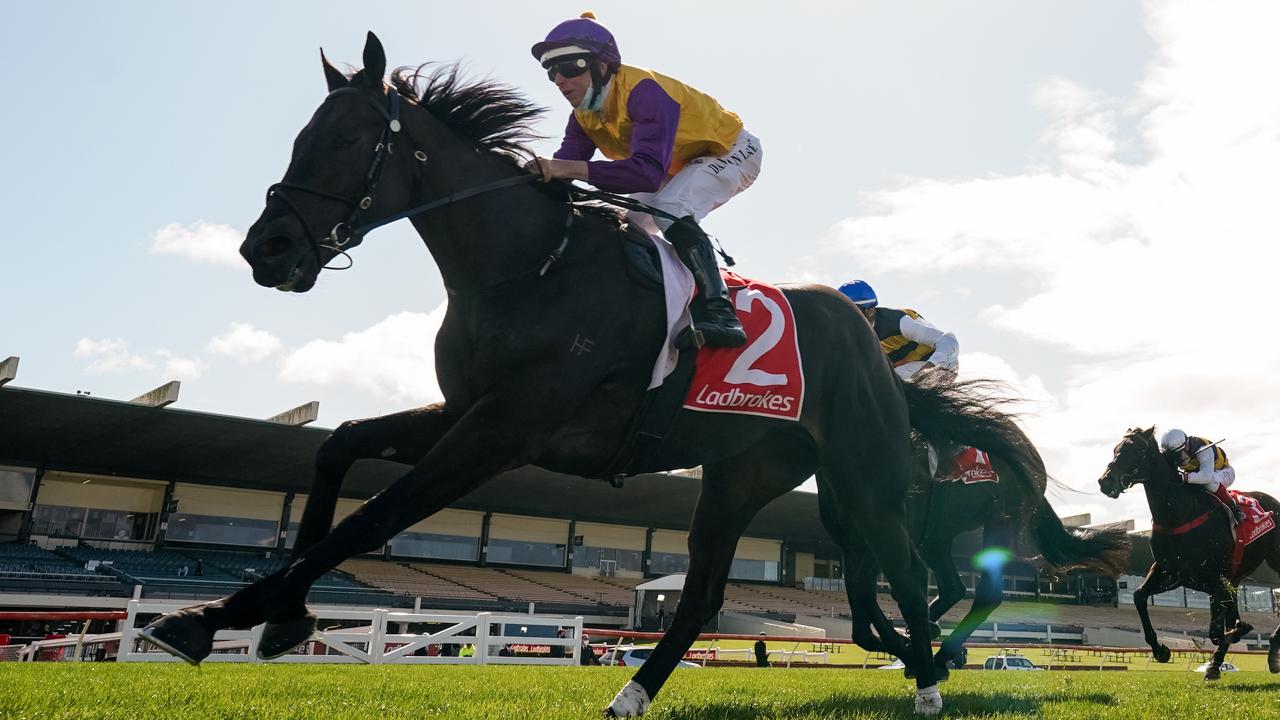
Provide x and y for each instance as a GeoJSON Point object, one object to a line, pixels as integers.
{"type": "Point", "coordinates": [147, 691]}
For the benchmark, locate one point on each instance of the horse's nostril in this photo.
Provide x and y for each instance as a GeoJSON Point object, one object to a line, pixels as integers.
{"type": "Point", "coordinates": [274, 246]}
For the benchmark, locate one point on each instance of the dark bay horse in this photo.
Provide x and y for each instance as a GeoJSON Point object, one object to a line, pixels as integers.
{"type": "Point", "coordinates": [939, 511]}
{"type": "Point", "coordinates": [1192, 543]}
{"type": "Point", "coordinates": [543, 357]}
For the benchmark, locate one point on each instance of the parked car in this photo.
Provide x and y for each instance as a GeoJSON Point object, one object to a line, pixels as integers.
{"type": "Point", "coordinates": [1226, 667]}
{"type": "Point", "coordinates": [632, 656]}
{"type": "Point", "coordinates": [1008, 662]}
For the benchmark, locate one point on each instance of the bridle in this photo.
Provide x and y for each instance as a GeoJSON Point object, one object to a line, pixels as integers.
{"type": "Point", "coordinates": [1130, 478]}
{"type": "Point", "coordinates": [347, 234]}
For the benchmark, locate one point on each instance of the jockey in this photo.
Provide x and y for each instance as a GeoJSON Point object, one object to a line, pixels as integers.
{"type": "Point", "coordinates": [1201, 462]}
{"type": "Point", "coordinates": [910, 341]}
{"type": "Point", "coordinates": [667, 144]}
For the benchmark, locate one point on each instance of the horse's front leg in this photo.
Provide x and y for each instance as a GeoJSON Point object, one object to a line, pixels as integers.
{"type": "Point", "coordinates": [1156, 582]}
{"type": "Point", "coordinates": [732, 493]}
{"type": "Point", "coordinates": [492, 436]}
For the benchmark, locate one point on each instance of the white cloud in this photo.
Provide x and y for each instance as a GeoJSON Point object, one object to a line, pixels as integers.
{"type": "Point", "coordinates": [1144, 257]}
{"type": "Point", "coordinates": [244, 343]}
{"type": "Point", "coordinates": [109, 355]}
{"type": "Point", "coordinates": [200, 241]}
{"type": "Point", "coordinates": [394, 359]}
{"type": "Point", "coordinates": [181, 368]}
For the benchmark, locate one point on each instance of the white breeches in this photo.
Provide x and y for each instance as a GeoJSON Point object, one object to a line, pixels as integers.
{"type": "Point", "coordinates": [704, 184]}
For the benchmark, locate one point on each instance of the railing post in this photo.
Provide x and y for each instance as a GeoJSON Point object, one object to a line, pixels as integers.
{"type": "Point", "coordinates": [378, 637]}
{"type": "Point", "coordinates": [575, 658]}
{"type": "Point", "coordinates": [482, 638]}
{"type": "Point", "coordinates": [127, 634]}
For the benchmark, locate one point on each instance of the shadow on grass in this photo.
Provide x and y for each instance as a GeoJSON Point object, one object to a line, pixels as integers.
{"type": "Point", "coordinates": [957, 705]}
{"type": "Point", "coordinates": [1268, 687]}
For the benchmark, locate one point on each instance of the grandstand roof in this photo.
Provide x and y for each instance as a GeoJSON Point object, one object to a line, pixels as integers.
{"type": "Point", "coordinates": [78, 433]}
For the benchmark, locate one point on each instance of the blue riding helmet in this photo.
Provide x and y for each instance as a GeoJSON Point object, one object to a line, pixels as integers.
{"type": "Point", "coordinates": [860, 293]}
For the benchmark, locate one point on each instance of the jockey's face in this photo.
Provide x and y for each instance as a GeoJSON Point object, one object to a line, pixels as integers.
{"type": "Point", "coordinates": [574, 89]}
{"type": "Point", "coordinates": [869, 313]}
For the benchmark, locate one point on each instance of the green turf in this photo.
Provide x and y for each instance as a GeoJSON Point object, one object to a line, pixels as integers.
{"type": "Point", "coordinates": [45, 691]}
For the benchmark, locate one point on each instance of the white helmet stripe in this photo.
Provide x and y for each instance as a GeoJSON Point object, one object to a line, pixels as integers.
{"type": "Point", "coordinates": [554, 53]}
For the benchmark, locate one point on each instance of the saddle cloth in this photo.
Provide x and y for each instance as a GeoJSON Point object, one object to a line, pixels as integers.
{"type": "Point", "coordinates": [1257, 522]}
{"type": "Point", "coordinates": [970, 466]}
{"type": "Point", "coordinates": [763, 377]}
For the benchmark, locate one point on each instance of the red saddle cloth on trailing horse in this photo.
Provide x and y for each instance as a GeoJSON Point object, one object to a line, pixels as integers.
{"type": "Point", "coordinates": [764, 376]}
{"type": "Point", "coordinates": [970, 466]}
{"type": "Point", "coordinates": [1257, 522]}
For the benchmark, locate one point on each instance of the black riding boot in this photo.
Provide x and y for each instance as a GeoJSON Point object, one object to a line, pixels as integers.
{"type": "Point", "coordinates": [714, 321]}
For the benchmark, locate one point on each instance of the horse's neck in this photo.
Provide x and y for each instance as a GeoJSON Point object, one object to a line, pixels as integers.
{"type": "Point", "coordinates": [1171, 503]}
{"type": "Point", "coordinates": [482, 240]}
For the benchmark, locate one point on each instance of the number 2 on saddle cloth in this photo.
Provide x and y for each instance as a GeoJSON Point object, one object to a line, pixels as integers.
{"type": "Point", "coordinates": [763, 377]}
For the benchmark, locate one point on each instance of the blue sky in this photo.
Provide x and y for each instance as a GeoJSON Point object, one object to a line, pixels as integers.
{"type": "Point", "coordinates": [988, 163]}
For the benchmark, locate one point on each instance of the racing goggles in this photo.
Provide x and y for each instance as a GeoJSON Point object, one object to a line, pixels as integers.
{"type": "Point", "coordinates": [568, 68]}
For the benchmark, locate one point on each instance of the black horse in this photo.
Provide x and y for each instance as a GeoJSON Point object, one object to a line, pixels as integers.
{"type": "Point", "coordinates": [543, 357]}
{"type": "Point", "coordinates": [938, 511]}
{"type": "Point", "coordinates": [1192, 543]}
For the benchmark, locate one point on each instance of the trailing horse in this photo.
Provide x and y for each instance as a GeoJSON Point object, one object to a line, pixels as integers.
{"type": "Point", "coordinates": [1193, 545]}
{"type": "Point", "coordinates": [544, 355]}
{"type": "Point", "coordinates": [944, 409]}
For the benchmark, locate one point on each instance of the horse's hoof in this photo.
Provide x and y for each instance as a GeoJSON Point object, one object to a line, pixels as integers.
{"type": "Point", "coordinates": [1162, 654]}
{"type": "Point", "coordinates": [280, 638]}
{"type": "Point", "coordinates": [180, 634]}
{"type": "Point", "coordinates": [941, 673]}
{"type": "Point", "coordinates": [1213, 673]}
{"type": "Point", "coordinates": [935, 631]}
{"type": "Point", "coordinates": [928, 701]}
{"type": "Point", "coordinates": [1273, 657]}
{"type": "Point", "coordinates": [1241, 629]}
{"type": "Point", "coordinates": [907, 671]}
{"type": "Point", "coordinates": [631, 701]}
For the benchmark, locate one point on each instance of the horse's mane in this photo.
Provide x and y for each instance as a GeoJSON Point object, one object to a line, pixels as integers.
{"type": "Point", "coordinates": [493, 115]}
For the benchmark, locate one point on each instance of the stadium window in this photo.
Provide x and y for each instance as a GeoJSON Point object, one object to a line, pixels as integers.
{"type": "Point", "coordinates": [754, 570]}
{"type": "Point", "coordinates": [217, 529]}
{"type": "Point", "coordinates": [15, 487]}
{"type": "Point", "coordinates": [522, 552]}
{"type": "Point", "coordinates": [435, 546]}
{"type": "Point", "coordinates": [591, 557]}
{"type": "Point", "coordinates": [57, 521]}
{"type": "Point", "coordinates": [662, 563]}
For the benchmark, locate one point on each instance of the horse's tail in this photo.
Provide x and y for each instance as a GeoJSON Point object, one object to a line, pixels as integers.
{"type": "Point", "coordinates": [947, 411]}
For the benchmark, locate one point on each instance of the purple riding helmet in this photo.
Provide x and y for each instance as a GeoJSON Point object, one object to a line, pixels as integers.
{"type": "Point", "coordinates": [581, 36]}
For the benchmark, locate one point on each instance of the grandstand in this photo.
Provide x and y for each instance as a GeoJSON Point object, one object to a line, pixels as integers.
{"type": "Point", "coordinates": [102, 501]}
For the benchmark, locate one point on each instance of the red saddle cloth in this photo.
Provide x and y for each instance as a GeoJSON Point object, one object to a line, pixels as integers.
{"type": "Point", "coordinates": [970, 466]}
{"type": "Point", "coordinates": [1257, 522]}
{"type": "Point", "coordinates": [764, 376]}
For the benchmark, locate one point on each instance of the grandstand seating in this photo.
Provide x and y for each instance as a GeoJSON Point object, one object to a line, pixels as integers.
{"type": "Point", "coordinates": [28, 562]}
{"type": "Point", "coordinates": [409, 581]}
{"type": "Point", "coordinates": [153, 565]}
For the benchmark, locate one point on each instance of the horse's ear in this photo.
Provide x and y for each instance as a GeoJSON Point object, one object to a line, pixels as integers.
{"type": "Point", "coordinates": [1151, 431]}
{"type": "Point", "coordinates": [332, 75]}
{"type": "Point", "coordinates": [375, 61]}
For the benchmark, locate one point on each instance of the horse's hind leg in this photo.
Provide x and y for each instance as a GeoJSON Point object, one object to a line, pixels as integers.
{"type": "Point", "coordinates": [860, 571]}
{"type": "Point", "coordinates": [997, 536]}
{"type": "Point", "coordinates": [1273, 644]}
{"type": "Point", "coordinates": [870, 483]}
{"type": "Point", "coordinates": [733, 492]}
